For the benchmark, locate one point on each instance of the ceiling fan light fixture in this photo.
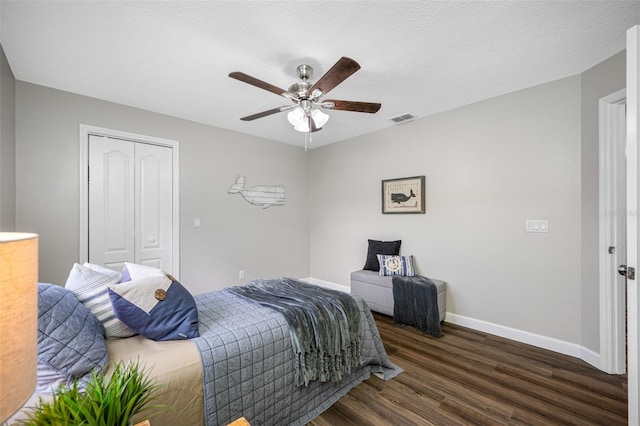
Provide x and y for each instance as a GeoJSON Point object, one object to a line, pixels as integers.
{"type": "Point", "coordinates": [319, 117]}
{"type": "Point", "coordinates": [300, 121]}
{"type": "Point", "coordinates": [296, 116]}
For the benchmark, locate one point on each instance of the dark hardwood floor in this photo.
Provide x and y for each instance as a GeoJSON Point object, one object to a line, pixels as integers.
{"type": "Point", "coordinates": [472, 378]}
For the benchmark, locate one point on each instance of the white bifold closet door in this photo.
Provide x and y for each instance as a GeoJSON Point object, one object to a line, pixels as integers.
{"type": "Point", "coordinates": [130, 203]}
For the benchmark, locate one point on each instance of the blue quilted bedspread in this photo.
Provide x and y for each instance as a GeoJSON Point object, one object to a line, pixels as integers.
{"type": "Point", "coordinates": [248, 364]}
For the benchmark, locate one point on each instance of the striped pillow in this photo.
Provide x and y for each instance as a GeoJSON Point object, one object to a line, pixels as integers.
{"type": "Point", "coordinates": [90, 287]}
{"type": "Point", "coordinates": [396, 265]}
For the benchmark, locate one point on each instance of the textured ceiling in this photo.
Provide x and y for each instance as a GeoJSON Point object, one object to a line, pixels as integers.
{"type": "Point", "coordinates": [421, 57]}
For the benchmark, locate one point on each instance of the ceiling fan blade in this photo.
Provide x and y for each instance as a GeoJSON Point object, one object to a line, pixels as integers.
{"type": "Point", "coordinates": [245, 78]}
{"type": "Point", "coordinates": [267, 113]}
{"type": "Point", "coordinates": [338, 73]}
{"type": "Point", "coordinates": [369, 107]}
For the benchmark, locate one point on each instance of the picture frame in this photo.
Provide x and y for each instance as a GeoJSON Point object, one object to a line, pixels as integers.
{"type": "Point", "coordinates": [403, 195]}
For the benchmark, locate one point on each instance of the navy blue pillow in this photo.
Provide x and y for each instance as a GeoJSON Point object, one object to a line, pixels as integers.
{"type": "Point", "coordinates": [156, 307]}
{"type": "Point", "coordinates": [380, 247]}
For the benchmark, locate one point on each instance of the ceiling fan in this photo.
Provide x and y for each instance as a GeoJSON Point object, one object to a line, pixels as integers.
{"type": "Point", "coordinates": [304, 114]}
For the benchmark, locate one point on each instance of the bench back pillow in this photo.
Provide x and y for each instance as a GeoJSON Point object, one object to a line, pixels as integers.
{"type": "Point", "coordinates": [380, 247]}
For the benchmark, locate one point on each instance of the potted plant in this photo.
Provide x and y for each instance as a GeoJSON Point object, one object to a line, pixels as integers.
{"type": "Point", "coordinates": [106, 401]}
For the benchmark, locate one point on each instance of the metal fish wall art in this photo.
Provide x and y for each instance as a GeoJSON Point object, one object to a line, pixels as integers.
{"type": "Point", "coordinates": [262, 195]}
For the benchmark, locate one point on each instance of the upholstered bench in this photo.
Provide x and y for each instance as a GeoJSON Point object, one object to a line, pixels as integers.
{"type": "Point", "coordinates": [377, 291]}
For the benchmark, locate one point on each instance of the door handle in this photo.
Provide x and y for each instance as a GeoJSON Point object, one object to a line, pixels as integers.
{"type": "Point", "coordinates": [628, 272]}
{"type": "Point", "coordinates": [622, 270]}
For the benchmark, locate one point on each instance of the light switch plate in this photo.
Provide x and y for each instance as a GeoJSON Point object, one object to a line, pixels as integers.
{"type": "Point", "coordinates": [536, 225]}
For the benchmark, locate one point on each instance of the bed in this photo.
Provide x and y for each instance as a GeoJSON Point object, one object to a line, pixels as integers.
{"type": "Point", "coordinates": [242, 365]}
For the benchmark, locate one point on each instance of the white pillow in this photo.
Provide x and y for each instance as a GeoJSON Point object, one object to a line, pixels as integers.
{"type": "Point", "coordinates": [98, 268]}
{"type": "Point", "coordinates": [90, 287]}
{"type": "Point", "coordinates": [135, 271]}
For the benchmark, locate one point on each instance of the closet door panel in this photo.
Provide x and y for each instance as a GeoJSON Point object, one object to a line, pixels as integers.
{"type": "Point", "coordinates": [111, 201]}
{"type": "Point", "coordinates": [154, 209]}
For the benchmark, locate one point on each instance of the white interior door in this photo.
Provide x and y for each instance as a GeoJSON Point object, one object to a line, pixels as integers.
{"type": "Point", "coordinates": [153, 215]}
{"type": "Point", "coordinates": [633, 140]}
{"type": "Point", "coordinates": [130, 203]}
{"type": "Point", "coordinates": [111, 201]}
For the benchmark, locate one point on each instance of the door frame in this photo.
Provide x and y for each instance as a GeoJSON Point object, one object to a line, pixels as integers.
{"type": "Point", "coordinates": [633, 296]}
{"type": "Point", "coordinates": [84, 132]}
{"type": "Point", "coordinates": [612, 137]}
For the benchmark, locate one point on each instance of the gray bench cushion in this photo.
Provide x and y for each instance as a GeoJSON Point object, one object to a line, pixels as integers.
{"type": "Point", "coordinates": [377, 291]}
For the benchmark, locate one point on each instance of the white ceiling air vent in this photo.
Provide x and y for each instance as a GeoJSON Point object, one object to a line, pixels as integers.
{"type": "Point", "coordinates": [403, 118]}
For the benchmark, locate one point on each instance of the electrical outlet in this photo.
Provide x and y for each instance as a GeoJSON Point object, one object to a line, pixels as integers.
{"type": "Point", "coordinates": [241, 275]}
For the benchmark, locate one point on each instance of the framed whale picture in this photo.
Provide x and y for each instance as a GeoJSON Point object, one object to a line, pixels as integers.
{"type": "Point", "coordinates": [403, 195]}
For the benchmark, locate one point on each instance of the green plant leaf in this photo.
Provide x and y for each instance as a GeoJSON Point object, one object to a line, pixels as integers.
{"type": "Point", "coordinates": [105, 402]}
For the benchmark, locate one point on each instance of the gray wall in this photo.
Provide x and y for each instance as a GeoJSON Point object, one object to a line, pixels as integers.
{"type": "Point", "coordinates": [602, 80]}
{"type": "Point", "coordinates": [489, 167]}
{"type": "Point", "coordinates": [531, 154]}
{"type": "Point", "coordinates": [234, 234]}
{"type": "Point", "coordinates": [7, 146]}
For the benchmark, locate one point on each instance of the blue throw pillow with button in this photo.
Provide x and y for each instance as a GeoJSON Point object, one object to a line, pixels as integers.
{"type": "Point", "coordinates": [158, 307]}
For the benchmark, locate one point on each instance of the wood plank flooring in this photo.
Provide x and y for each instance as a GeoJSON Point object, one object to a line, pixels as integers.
{"type": "Point", "coordinates": [472, 378]}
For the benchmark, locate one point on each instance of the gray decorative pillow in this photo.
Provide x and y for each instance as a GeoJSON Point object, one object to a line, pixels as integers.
{"type": "Point", "coordinates": [380, 247]}
{"type": "Point", "coordinates": [70, 339]}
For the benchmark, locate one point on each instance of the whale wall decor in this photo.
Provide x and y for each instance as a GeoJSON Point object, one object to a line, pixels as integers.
{"type": "Point", "coordinates": [262, 195]}
{"type": "Point", "coordinates": [403, 195]}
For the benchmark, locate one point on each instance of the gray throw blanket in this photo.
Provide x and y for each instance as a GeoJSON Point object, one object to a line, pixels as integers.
{"type": "Point", "coordinates": [415, 303]}
{"type": "Point", "coordinates": [324, 326]}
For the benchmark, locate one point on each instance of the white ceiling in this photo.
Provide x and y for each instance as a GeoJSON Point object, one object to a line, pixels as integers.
{"type": "Point", "coordinates": [421, 57]}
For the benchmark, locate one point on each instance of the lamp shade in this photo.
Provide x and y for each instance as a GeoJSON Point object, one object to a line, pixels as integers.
{"type": "Point", "coordinates": [18, 320]}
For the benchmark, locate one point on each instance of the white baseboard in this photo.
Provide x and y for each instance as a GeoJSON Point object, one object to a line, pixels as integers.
{"type": "Point", "coordinates": [591, 357]}
{"type": "Point", "coordinates": [327, 284]}
{"type": "Point", "coordinates": [533, 339]}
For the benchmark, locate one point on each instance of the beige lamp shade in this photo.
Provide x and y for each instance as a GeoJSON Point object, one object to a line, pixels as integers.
{"type": "Point", "coordinates": [18, 320]}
